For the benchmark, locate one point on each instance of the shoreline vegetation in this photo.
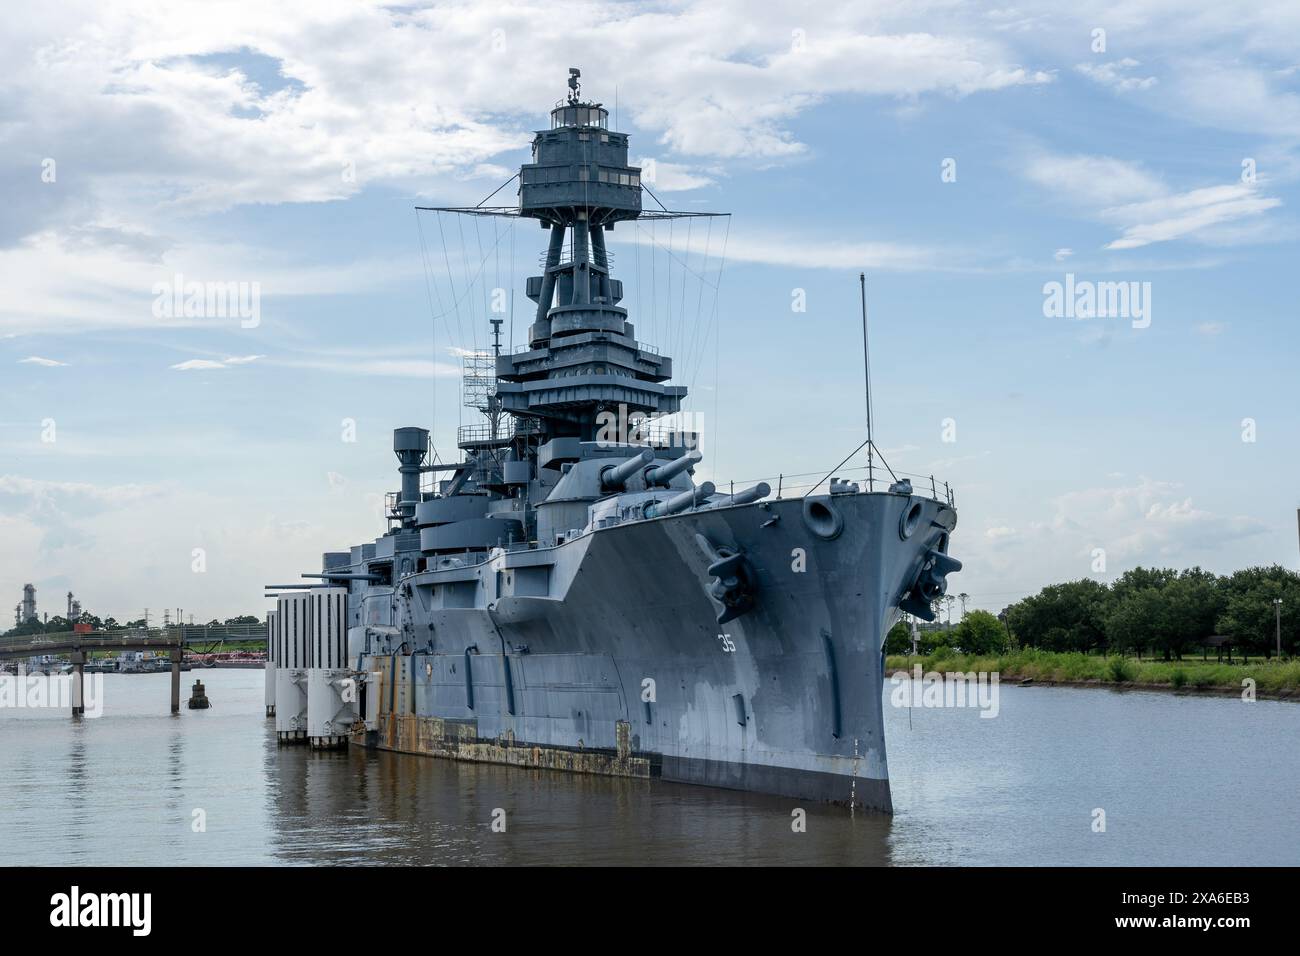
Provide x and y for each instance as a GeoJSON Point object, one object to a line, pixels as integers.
{"type": "Point", "coordinates": [1273, 679]}
{"type": "Point", "coordinates": [1150, 629]}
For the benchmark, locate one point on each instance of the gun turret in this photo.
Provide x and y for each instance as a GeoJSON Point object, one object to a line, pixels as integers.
{"type": "Point", "coordinates": [680, 502]}
{"type": "Point", "coordinates": [663, 474]}
{"type": "Point", "coordinates": [615, 476]}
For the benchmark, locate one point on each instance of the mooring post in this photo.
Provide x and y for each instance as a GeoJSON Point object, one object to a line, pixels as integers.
{"type": "Point", "coordinates": [78, 682]}
{"type": "Point", "coordinates": [176, 680]}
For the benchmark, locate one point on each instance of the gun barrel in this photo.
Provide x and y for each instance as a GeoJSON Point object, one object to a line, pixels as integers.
{"type": "Point", "coordinates": [613, 478]}
{"type": "Point", "coordinates": [760, 490]}
{"type": "Point", "coordinates": [681, 502]}
{"type": "Point", "coordinates": [662, 474]}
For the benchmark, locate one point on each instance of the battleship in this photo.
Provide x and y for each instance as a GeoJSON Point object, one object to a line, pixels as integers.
{"type": "Point", "coordinates": [567, 595]}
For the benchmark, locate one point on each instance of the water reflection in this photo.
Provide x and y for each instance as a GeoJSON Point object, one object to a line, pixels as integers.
{"type": "Point", "coordinates": [1016, 789]}
{"type": "Point", "coordinates": [356, 807]}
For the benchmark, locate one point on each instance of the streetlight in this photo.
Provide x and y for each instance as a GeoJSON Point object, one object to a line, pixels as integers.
{"type": "Point", "coordinates": [1277, 614]}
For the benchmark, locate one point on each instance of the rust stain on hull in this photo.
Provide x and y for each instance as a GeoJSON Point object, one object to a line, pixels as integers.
{"type": "Point", "coordinates": [457, 740]}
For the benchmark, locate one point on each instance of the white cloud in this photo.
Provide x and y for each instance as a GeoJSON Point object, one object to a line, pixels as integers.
{"type": "Point", "coordinates": [428, 96]}
{"type": "Point", "coordinates": [209, 364]}
{"type": "Point", "coordinates": [1186, 214]}
{"type": "Point", "coordinates": [670, 177]}
{"type": "Point", "coordinates": [1140, 521]}
{"type": "Point", "coordinates": [61, 280]}
{"type": "Point", "coordinates": [794, 251]}
{"type": "Point", "coordinates": [73, 492]}
{"type": "Point", "coordinates": [1126, 195]}
{"type": "Point", "coordinates": [1241, 97]}
{"type": "Point", "coordinates": [45, 362]}
{"type": "Point", "coordinates": [1086, 180]}
{"type": "Point", "coordinates": [1117, 74]}
{"type": "Point", "coordinates": [71, 535]}
{"type": "Point", "coordinates": [1148, 522]}
{"type": "Point", "coordinates": [390, 368]}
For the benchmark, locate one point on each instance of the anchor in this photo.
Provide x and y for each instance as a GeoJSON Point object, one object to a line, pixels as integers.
{"type": "Point", "coordinates": [733, 583]}
{"type": "Point", "coordinates": [931, 584]}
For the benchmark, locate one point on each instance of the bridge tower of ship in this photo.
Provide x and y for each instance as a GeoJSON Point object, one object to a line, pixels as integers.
{"type": "Point", "coordinates": [582, 356]}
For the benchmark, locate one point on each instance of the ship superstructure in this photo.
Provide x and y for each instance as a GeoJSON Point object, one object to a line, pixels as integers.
{"type": "Point", "coordinates": [567, 595]}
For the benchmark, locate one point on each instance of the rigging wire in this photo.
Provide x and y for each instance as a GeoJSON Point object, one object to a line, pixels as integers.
{"type": "Point", "coordinates": [482, 287]}
{"type": "Point", "coordinates": [685, 258]}
{"type": "Point", "coordinates": [429, 290]}
{"type": "Point", "coordinates": [455, 299]}
{"type": "Point", "coordinates": [469, 284]}
{"type": "Point", "coordinates": [699, 301]}
{"type": "Point", "coordinates": [654, 285]}
{"type": "Point", "coordinates": [716, 286]}
{"type": "Point", "coordinates": [636, 252]}
{"type": "Point", "coordinates": [514, 270]}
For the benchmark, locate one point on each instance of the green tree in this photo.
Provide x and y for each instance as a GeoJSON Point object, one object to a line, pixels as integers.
{"type": "Point", "coordinates": [930, 639]}
{"type": "Point", "coordinates": [1140, 621]}
{"type": "Point", "coordinates": [1248, 612]}
{"type": "Point", "coordinates": [1194, 600]}
{"type": "Point", "coordinates": [979, 632]}
{"type": "Point", "coordinates": [26, 628]}
{"type": "Point", "coordinates": [899, 639]}
{"type": "Point", "coordinates": [1063, 617]}
{"type": "Point", "coordinates": [1140, 579]}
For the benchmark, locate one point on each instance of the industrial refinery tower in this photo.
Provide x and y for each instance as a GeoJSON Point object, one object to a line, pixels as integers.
{"type": "Point", "coordinates": [569, 597]}
{"type": "Point", "coordinates": [25, 610]}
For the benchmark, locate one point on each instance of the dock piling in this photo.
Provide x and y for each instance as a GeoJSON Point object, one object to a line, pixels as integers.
{"type": "Point", "coordinates": [176, 680]}
{"type": "Point", "coordinates": [78, 682]}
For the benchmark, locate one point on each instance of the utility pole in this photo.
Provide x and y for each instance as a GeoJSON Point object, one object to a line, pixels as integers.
{"type": "Point", "coordinates": [1277, 614]}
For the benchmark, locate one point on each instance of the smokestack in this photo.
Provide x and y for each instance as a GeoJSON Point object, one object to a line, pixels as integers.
{"type": "Point", "coordinates": [410, 445]}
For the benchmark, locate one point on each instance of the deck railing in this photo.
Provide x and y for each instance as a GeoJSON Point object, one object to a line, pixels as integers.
{"type": "Point", "coordinates": [875, 478]}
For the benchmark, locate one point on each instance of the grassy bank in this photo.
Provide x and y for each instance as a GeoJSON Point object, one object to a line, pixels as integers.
{"type": "Point", "coordinates": [1274, 678]}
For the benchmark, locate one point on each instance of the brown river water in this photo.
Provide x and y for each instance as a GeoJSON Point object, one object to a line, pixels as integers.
{"type": "Point", "coordinates": [1181, 780]}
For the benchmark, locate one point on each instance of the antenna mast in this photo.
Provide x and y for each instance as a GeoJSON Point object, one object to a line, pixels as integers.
{"type": "Point", "coordinates": [866, 364]}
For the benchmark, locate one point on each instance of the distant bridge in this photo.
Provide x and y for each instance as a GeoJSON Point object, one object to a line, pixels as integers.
{"type": "Point", "coordinates": [174, 640]}
{"type": "Point", "coordinates": [130, 639]}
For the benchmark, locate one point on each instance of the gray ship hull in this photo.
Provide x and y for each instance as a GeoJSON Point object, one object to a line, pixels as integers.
{"type": "Point", "coordinates": [604, 654]}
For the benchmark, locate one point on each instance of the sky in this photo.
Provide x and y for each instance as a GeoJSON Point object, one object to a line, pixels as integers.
{"type": "Point", "coordinates": [965, 156]}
